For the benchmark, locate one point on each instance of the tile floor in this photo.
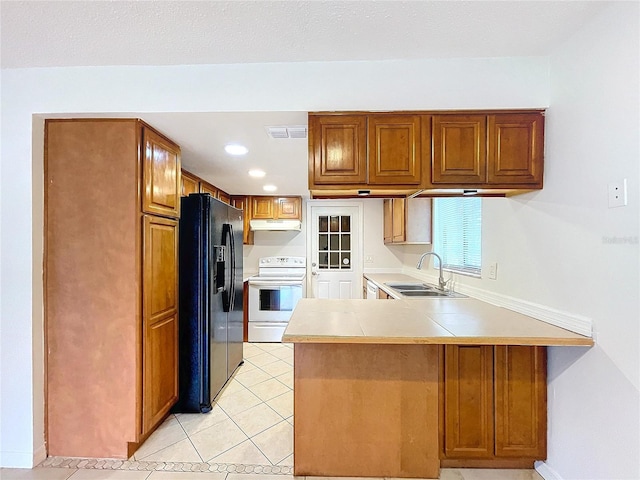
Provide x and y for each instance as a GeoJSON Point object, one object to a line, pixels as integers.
{"type": "Point", "coordinates": [249, 429]}
{"type": "Point", "coordinates": [251, 421]}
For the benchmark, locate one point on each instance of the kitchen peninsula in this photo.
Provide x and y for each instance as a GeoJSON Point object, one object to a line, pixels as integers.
{"type": "Point", "coordinates": [370, 385]}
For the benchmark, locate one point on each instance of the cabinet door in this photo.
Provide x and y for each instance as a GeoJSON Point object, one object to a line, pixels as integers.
{"type": "Point", "coordinates": [208, 188]}
{"type": "Point", "coordinates": [399, 224]}
{"type": "Point", "coordinates": [394, 150]}
{"type": "Point", "coordinates": [289, 208]}
{"type": "Point", "coordinates": [160, 319]}
{"type": "Point", "coordinates": [262, 208]}
{"type": "Point", "coordinates": [468, 401]}
{"type": "Point", "coordinates": [224, 197]}
{"type": "Point", "coordinates": [244, 204]}
{"type": "Point", "coordinates": [190, 184]}
{"type": "Point", "coordinates": [388, 220]}
{"type": "Point", "coordinates": [516, 149]}
{"type": "Point", "coordinates": [459, 149]}
{"type": "Point", "coordinates": [521, 401]}
{"type": "Point", "coordinates": [338, 147]}
{"type": "Point", "coordinates": [161, 175]}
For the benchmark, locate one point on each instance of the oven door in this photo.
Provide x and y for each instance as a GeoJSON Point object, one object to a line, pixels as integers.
{"type": "Point", "coordinates": [273, 301]}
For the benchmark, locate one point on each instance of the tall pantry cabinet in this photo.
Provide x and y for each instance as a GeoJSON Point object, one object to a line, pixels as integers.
{"type": "Point", "coordinates": [111, 313]}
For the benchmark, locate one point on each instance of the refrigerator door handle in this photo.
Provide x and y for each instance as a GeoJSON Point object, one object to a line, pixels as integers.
{"type": "Point", "coordinates": [227, 291]}
{"type": "Point", "coordinates": [233, 268]}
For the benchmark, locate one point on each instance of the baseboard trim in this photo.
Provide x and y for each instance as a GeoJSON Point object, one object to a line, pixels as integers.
{"type": "Point", "coordinates": [569, 321]}
{"type": "Point", "coordinates": [40, 455]}
{"type": "Point", "coordinates": [546, 472]}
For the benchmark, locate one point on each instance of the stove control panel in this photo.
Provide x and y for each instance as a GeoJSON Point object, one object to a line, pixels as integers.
{"type": "Point", "coordinates": [290, 262]}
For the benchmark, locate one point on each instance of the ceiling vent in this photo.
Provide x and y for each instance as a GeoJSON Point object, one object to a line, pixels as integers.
{"type": "Point", "coordinates": [292, 131]}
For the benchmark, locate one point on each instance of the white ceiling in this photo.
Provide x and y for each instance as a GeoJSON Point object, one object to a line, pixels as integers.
{"type": "Point", "coordinates": [83, 33]}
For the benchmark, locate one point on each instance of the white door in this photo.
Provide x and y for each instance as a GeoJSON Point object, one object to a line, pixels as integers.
{"type": "Point", "coordinates": [334, 260]}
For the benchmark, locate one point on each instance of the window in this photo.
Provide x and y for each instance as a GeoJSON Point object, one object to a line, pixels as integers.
{"type": "Point", "coordinates": [457, 234]}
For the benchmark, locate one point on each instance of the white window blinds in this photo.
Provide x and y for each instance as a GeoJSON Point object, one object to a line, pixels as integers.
{"type": "Point", "coordinates": [457, 233]}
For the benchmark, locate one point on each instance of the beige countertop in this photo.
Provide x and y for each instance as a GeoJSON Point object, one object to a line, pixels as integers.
{"type": "Point", "coordinates": [419, 320]}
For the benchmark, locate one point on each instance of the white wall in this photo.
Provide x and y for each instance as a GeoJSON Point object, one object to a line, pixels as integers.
{"type": "Point", "coordinates": [551, 247]}
{"type": "Point", "coordinates": [432, 84]}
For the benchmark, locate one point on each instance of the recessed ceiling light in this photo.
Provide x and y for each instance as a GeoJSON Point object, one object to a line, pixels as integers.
{"type": "Point", "coordinates": [269, 188]}
{"type": "Point", "coordinates": [256, 173]}
{"type": "Point", "coordinates": [235, 149]}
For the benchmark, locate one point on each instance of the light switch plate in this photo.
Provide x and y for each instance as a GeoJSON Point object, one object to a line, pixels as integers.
{"type": "Point", "coordinates": [618, 194]}
{"type": "Point", "coordinates": [493, 271]}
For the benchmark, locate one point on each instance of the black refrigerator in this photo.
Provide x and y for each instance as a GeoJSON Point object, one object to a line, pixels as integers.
{"type": "Point", "coordinates": [210, 321]}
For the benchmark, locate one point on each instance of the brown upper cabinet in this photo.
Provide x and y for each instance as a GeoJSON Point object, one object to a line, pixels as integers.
{"type": "Point", "coordinates": [459, 149]}
{"type": "Point", "coordinates": [206, 187]}
{"type": "Point", "coordinates": [243, 203]}
{"type": "Point", "coordinates": [274, 208]}
{"type": "Point", "coordinates": [399, 153]}
{"type": "Point", "coordinates": [161, 175]}
{"type": "Point", "coordinates": [190, 183]}
{"type": "Point", "coordinates": [338, 149]}
{"type": "Point", "coordinates": [497, 149]}
{"type": "Point", "coordinates": [407, 220]}
{"type": "Point", "coordinates": [224, 197]}
{"type": "Point", "coordinates": [394, 150]}
{"type": "Point", "coordinates": [193, 184]}
{"type": "Point", "coordinates": [365, 149]}
{"type": "Point", "coordinates": [515, 149]}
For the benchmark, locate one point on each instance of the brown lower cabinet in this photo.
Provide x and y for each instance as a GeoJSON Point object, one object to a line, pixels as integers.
{"type": "Point", "coordinates": [493, 406]}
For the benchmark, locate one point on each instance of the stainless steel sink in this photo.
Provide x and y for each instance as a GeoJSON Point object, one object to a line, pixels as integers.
{"type": "Point", "coordinates": [430, 293]}
{"type": "Point", "coordinates": [423, 293]}
{"type": "Point", "coordinates": [409, 286]}
{"type": "Point", "coordinates": [421, 290]}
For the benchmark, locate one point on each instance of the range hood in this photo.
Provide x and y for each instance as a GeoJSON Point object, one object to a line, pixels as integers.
{"type": "Point", "coordinates": [276, 225]}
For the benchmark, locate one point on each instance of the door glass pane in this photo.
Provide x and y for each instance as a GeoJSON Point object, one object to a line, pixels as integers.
{"type": "Point", "coordinates": [323, 224]}
{"type": "Point", "coordinates": [335, 242]}
{"type": "Point", "coordinates": [334, 249]}
{"type": "Point", "coordinates": [323, 242]}
{"type": "Point", "coordinates": [346, 241]}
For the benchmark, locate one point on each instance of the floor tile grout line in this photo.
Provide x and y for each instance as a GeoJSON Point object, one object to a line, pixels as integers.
{"type": "Point", "coordinates": [142, 459]}
{"type": "Point", "coordinates": [256, 434]}
{"type": "Point", "coordinates": [190, 441]}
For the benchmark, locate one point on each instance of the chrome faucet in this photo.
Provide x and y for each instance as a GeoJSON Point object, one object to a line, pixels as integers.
{"type": "Point", "coordinates": [441, 281]}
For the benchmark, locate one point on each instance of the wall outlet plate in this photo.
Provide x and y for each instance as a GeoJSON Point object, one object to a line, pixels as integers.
{"type": "Point", "coordinates": [618, 193]}
{"type": "Point", "coordinates": [368, 259]}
